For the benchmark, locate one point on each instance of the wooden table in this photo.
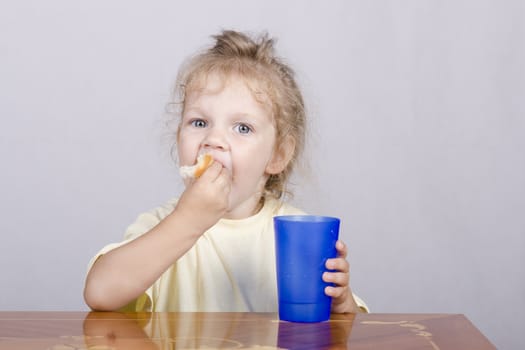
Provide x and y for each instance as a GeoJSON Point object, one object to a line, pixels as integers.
{"type": "Point", "coordinates": [104, 331]}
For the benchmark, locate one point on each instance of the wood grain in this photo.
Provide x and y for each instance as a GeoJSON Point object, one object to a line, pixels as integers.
{"type": "Point", "coordinates": [171, 330]}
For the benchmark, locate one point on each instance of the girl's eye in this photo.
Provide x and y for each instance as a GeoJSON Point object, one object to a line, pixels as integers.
{"type": "Point", "coordinates": [243, 129]}
{"type": "Point", "coordinates": [198, 123]}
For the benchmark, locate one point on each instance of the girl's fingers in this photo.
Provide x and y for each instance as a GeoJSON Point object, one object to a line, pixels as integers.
{"type": "Point", "coordinates": [341, 248]}
{"type": "Point", "coordinates": [338, 278]}
{"type": "Point", "coordinates": [212, 172]}
{"type": "Point", "coordinates": [338, 264]}
{"type": "Point", "coordinates": [335, 292]}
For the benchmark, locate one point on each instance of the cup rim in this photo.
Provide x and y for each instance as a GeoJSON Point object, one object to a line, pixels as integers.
{"type": "Point", "coordinates": [306, 218]}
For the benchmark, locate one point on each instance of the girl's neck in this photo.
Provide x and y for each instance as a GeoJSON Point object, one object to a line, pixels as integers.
{"type": "Point", "coordinates": [246, 209]}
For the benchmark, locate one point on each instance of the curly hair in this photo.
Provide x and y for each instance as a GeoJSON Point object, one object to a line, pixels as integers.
{"type": "Point", "coordinates": [268, 77]}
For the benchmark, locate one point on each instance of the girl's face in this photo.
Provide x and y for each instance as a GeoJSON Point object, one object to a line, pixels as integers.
{"type": "Point", "coordinates": [225, 120]}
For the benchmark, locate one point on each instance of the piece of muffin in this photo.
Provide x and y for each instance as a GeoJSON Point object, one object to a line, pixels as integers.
{"type": "Point", "coordinates": [196, 170]}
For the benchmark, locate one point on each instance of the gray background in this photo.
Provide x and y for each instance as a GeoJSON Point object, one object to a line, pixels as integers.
{"type": "Point", "coordinates": [417, 120]}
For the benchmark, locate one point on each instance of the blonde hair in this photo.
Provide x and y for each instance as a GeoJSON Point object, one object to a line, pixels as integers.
{"type": "Point", "coordinates": [269, 79]}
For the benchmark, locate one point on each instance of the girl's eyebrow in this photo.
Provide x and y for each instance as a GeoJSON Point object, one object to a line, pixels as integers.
{"type": "Point", "coordinates": [243, 115]}
{"type": "Point", "coordinates": [193, 109]}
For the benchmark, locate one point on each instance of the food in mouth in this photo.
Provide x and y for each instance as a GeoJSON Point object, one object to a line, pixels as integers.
{"type": "Point", "coordinates": [196, 170]}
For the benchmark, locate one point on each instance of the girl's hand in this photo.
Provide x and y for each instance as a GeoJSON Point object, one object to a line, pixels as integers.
{"type": "Point", "coordinates": [205, 199]}
{"type": "Point", "coordinates": [342, 298]}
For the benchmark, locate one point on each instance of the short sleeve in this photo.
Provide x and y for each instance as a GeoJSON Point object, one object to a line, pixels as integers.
{"type": "Point", "coordinates": [144, 222]}
{"type": "Point", "coordinates": [148, 220]}
{"type": "Point", "coordinates": [361, 304]}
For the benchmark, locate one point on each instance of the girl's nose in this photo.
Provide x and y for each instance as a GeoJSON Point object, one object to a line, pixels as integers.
{"type": "Point", "coordinates": [215, 139]}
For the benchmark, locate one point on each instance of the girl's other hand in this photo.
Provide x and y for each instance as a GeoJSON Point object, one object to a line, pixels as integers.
{"type": "Point", "coordinates": [342, 298]}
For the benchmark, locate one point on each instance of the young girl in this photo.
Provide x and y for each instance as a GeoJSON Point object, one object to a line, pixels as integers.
{"type": "Point", "coordinates": [213, 248]}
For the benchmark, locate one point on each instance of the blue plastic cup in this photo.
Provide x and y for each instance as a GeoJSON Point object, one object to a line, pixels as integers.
{"type": "Point", "coordinates": [303, 243]}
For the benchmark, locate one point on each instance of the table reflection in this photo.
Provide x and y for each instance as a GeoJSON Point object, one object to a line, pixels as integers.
{"type": "Point", "coordinates": [104, 331]}
{"type": "Point", "coordinates": [162, 331]}
{"type": "Point", "coordinates": [112, 330]}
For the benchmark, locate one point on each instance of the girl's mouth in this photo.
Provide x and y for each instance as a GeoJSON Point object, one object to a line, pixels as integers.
{"type": "Point", "coordinates": [222, 157]}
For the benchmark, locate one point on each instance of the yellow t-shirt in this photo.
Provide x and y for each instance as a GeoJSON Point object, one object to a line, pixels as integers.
{"type": "Point", "coordinates": [230, 268]}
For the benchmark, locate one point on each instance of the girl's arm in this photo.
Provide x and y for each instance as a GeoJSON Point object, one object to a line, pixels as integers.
{"type": "Point", "coordinates": [123, 274]}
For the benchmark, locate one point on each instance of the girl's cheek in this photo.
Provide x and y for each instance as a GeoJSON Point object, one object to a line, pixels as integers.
{"type": "Point", "coordinates": [186, 151]}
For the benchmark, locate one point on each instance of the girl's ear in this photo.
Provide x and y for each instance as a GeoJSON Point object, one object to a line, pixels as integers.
{"type": "Point", "coordinates": [282, 155]}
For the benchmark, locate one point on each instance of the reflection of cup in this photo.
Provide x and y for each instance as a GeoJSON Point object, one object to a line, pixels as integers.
{"type": "Point", "coordinates": [303, 243]}
{"type": "Point", "coordinates": [304, 336]}
{"type": "Point", "coordinates": [322, 335]}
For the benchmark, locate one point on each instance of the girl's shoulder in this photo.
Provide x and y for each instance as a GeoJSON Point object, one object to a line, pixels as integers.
{"type": "Point", "coordinates": [284, 208]}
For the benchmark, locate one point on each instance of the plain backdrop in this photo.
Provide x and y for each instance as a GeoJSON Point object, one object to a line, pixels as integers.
{"type": "Point", "coordinates": [416, 140]}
